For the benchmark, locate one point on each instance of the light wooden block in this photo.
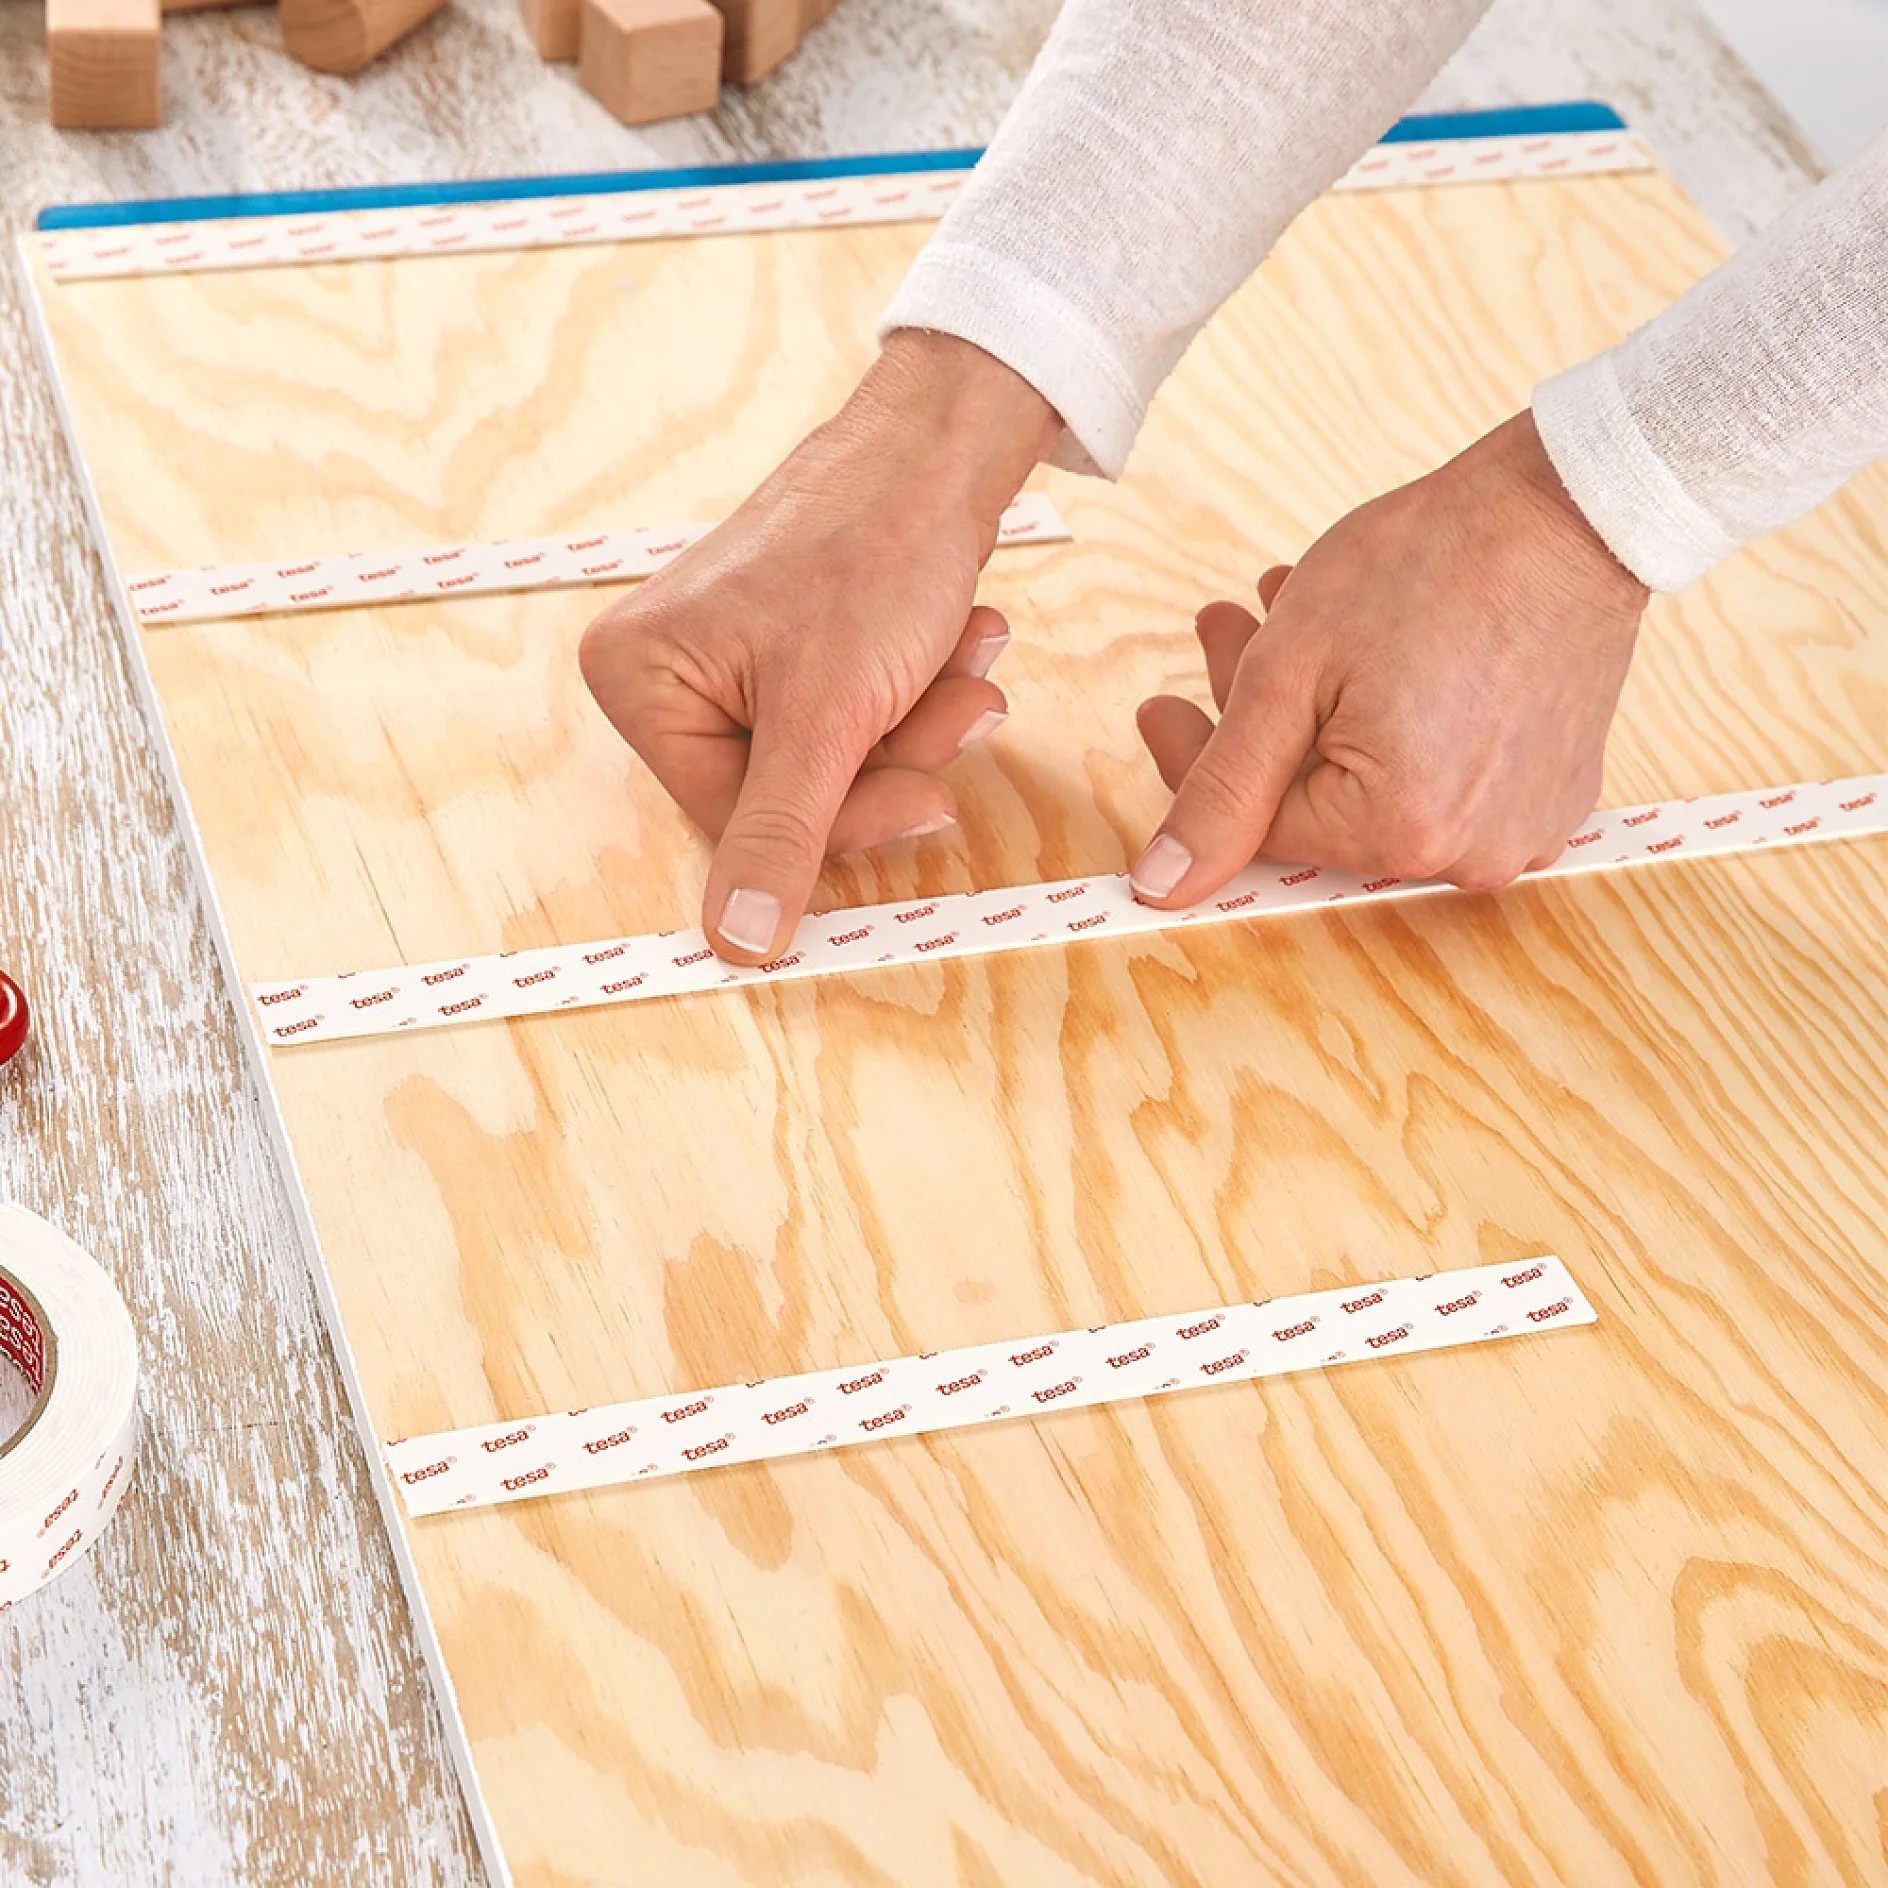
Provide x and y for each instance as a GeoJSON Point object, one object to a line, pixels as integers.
{"type": "Point", "coordinates": [760, 34]}
{"type": "Point", "coordinates": [650, 59]}
{"type": "Point", "coordinates": [555, 26]}
{"type": "Point", "coordinates": [344, 35]}
{"type": "Point", "coordinates": [102, 63]}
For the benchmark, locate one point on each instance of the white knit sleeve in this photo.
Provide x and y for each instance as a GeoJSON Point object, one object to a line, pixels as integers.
{"type": "Point", "coordinates": [1153, 156]}
{"type": "Point", "coordinates": [1746, 402]}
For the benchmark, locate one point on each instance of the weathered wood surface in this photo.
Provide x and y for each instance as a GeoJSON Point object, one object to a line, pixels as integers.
{"type": "Point", "coordinates": [228, 1691]}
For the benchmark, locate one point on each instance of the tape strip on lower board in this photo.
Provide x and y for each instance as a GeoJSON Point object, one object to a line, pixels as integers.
{"type": "Point", "coordinates": [986, 1383]}
{"type": "Point", "coordinates": [968, 924]}
{"type": "Point", "coordinates": [359, 579]}
{"type": "Point", "coordinates": [65, 1329]}
{"type": "Point", "coordinates": [254, 242]}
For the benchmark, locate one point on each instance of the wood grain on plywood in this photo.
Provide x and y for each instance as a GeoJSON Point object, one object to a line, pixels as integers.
{"type": "Point", "coordinates": [1599, 1608]}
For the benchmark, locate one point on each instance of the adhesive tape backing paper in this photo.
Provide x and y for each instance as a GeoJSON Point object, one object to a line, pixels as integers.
{"type": "Point", "coordinates": [65, 1329]}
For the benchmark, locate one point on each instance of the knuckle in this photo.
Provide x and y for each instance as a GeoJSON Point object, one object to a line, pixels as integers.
{"type": "Point", "coordinates": [779, 828]}
{"type": "Point", "coordinates": [1216, 792]}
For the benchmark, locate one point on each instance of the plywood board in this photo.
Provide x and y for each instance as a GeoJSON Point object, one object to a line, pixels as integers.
{"type": "Point", "coordinates": [1612, 1607]}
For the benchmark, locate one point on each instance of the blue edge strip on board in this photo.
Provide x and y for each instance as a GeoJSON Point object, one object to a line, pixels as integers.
{"type": "Point", "coordinates": [1519, 121]}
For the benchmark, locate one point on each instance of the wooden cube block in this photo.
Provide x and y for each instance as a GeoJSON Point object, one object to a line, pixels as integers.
{"type": "Point", "coordinates": [102, 64]}
{"type": "Point", "coordinates": [761, 33]}
{"type": "Point", "coordinates": [555, 26]}
{"type": "Point", "coordinates": [343, 35]}
{"type": "Point", "coordinates": [649, 59]}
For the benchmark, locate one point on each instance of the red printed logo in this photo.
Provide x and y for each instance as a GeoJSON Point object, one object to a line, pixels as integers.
{"type": "Point", "coordinates": [1089, 923]}
{"type": "Point", "coordinates": [1300, 878]}
{"type": "Point", "coordinates": [1237, 904]}
{"type": "Point", "coordinates": [938, 943]}
{"type": "Point", "coordinates": [861, 1383]}
{"type": "Point", "coordinates": [367, 1002]}
{"type": "Point", "coordinates": [453, 1009]}
{"type": "Point", "coordinates": [444, 976]}
{"type": "Point", "coordinates": [910, 917]}
{"type": "Point", "coordinates": [1382, 884]}
{"type": "Point", "coordinates": [890, 1416]}
{"type": "Point", "coordinates": [1855, 806]}
{"type": "Point", "coordinates": [852, 937]}
{"type": "Point", "coordinates": [687, 1410]}
{"type": "Point", "coordinates": [694, 957]}
{"type": "Point", "coordinates": [1068, 891]}
{"type": "Point", "coordinates": [1130, 1356]}
{"type": "Point", "coordinates": [1296, 1330]}
{"type": "Point", "coordinates": [506, 1442]}
{"type": "Point", "coordinates": [512, 1483]}
{"type": "Point", "coordinates": [1198, 1330]}
{"type": "Point", "coordinates": [1639, 819]}
{"type": "Point", "coordinates": [58, 1511]}
{"type": "Point", "coordinates": [283, 996]}
{"type": "Point", "coordinates": [1457, 1304]}
{"type": "Point", "coordinates": [1364, 1303]}
{"type": "Point", "coordinates": [1003, 917]}
{"type": "Point", "coordinates": [430, 1470]}
{"type": "Point", "coordinates": [962, 1383]}
{"type": "Point", "coordinates": [1549, 1311]}
{"type": "Point", "coordinates": [603, 957]}
{"type": "Point", "coordinates": [1802, 826]}
{"type": "Point", "coordinates": [1778, 799]}
{"type": "Point", "coordinates": [608, 1442]}
{"type": "Point", "coordinates": [537, 976]}
{"type": "Point", "coordinates": [1665, 845]}
{"type": "Point", "coordinates": [1054, 1390]}
{"type": "Point", "coordinates": [786, 1415]}
{"type": "Point", "coordinates": [706, 1448]}
{"type": "Point", "coordinates": [72, 1540]}
{"type": "Point", "coordinates": [1225, 1363]}
{"type": "Point", "coordinates": [295, 1029]}
{"type": "Point", "coordinates": [1584, 839]}
{"type": "Point", "coordinates": [1723, 819]}
{"type": "Point", "coordinates": [624, 983]}
{"type": "Point", "coordinates": [1388, 1337]}
{"type": "Point", "coordinates": [1525, 1278]}
{"type": "Point", "coordinates": [1020, 1358]}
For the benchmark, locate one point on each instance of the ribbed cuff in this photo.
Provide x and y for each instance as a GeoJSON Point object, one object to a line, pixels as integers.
{"type": "Point", "coordinates": [1648, 520]}
{"type": "Point", "coordinates": [993, 304]}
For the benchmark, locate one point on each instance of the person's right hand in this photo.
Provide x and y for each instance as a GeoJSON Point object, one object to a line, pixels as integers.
{"type": "Point", "coordinates": [797, 680]}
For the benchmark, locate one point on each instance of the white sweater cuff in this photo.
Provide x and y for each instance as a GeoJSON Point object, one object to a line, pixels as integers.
{"type": "Point", "coordinates": [999, 307]}
{"type": "Point", "coordinates": [1629, 495]}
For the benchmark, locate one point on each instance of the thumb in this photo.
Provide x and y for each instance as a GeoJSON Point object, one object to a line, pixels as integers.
{"type": "Point", "coordinates": [1226, 803]}
{"type": "Point", "coordinates": [799, 768]}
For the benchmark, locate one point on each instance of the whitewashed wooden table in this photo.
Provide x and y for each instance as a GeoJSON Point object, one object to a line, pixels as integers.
{"type": "Point", "coordinates": [228, 1691]}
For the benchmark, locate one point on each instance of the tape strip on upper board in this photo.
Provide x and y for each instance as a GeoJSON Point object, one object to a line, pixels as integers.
{"type": "Point", "coordinates": [65, 1329]}
{"type": "Point", "coordinates": [256, 242]}
{"type": "Point", "coordinates": [360, 579]}
{"type": "Point", "coordinates": [968, 924]}
{"type": "Point", "coordinates": [986, 1383]}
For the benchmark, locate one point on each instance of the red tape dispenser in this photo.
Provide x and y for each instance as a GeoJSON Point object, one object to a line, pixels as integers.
{"type": "Point", "coordinates": [14, 1018]}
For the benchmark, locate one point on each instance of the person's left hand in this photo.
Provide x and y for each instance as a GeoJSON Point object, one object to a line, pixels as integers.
{"type": "Point", "coordinates": [1428, 696]}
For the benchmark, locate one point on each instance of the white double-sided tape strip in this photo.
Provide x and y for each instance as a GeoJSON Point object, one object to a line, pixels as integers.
{"type": "Point", "coordinates": [967, 924]}
{"type": "Point", "coordinates": [256, 242]}
{"type": "Point", "coordinates": [360, 578]}
{"type": "Point", "coordinates": [986, 1383]}
{"type": "Point", "coordinates": [65, 1329]}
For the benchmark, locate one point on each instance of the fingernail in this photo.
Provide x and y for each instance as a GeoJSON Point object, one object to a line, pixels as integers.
{"type": "Point", "coordinates": [983, 657]}
{"type": "Point", "coordinates": [934, 825]}
{"type": "Point", "coordinates": [1161, 867]}
{"type": "Point", "coordinates": [986, 723]}
{"type": "Point", "coordinates": [750, 919]}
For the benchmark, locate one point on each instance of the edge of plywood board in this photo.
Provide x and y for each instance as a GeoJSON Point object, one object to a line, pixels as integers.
{"type": "Point", "coordinates": [255, 1054]}
{"type": "Point", "coordinates": [1437, 127]}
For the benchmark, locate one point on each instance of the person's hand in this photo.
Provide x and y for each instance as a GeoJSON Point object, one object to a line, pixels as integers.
{"type": "Point", "coordinates": [1428, 695]}
{"type": "Point", "coordinates": [798, 679]}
